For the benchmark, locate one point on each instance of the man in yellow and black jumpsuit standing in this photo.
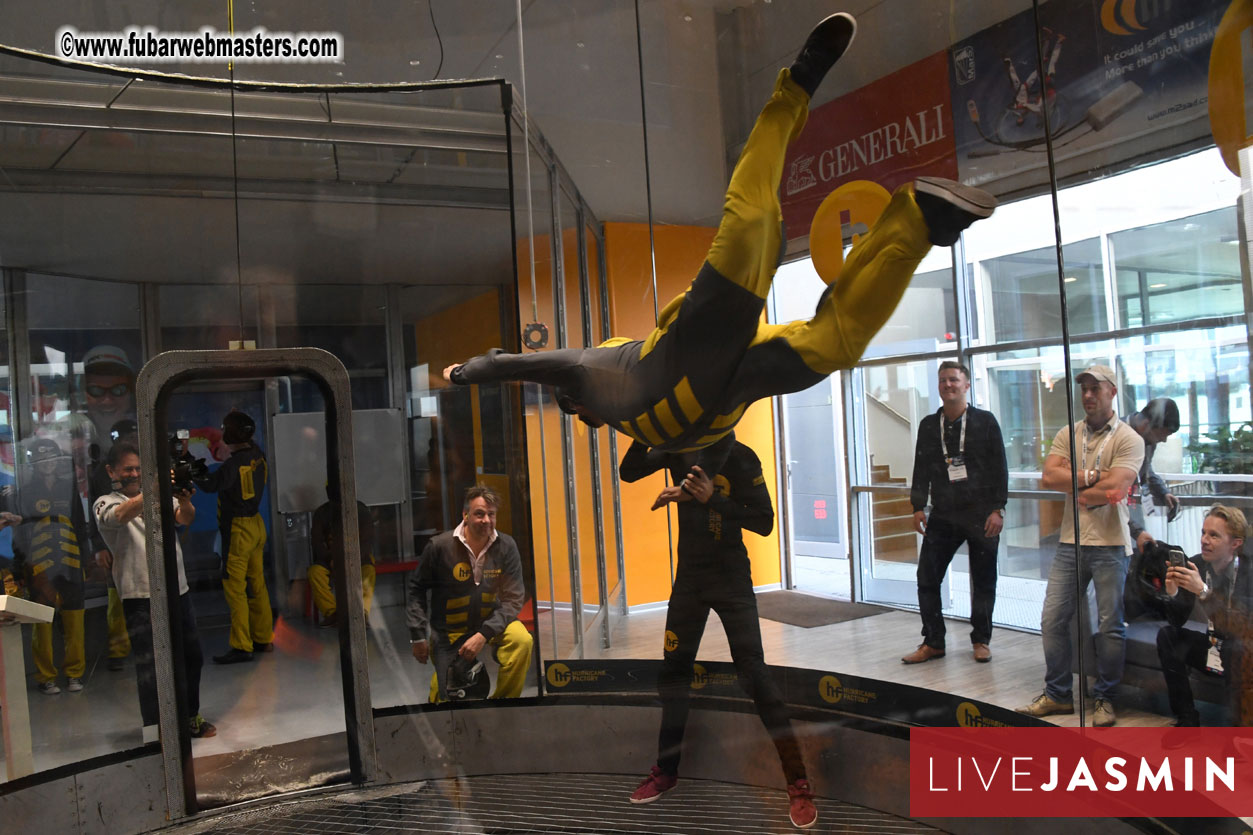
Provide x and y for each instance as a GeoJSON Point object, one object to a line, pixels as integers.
{"type": "Point", "coordinates": [240, 484]}
{"type": "Point", "coordinates": [467, 592]}
{"type": "Point", "coordinates": [687, 385]}
{"type": "Point", "coordinates": [47, 558]}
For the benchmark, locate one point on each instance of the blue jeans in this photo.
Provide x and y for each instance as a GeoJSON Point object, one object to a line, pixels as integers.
{"type": "Point", "coordinates": [1106, 567]}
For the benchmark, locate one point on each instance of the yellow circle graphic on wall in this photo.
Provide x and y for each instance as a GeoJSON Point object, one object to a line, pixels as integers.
{"type": "Point", "coordinates": [462, 571]}
{"type": "Point", "coordinates": [844, 216]}
{"type": "Point", "coordinates": [1226, 83]}
{"type": "Point", "coordinates": [830, 689]}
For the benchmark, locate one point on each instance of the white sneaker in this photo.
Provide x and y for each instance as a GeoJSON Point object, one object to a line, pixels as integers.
{"type": "Point", "coordinates": [74, 685]}
{"type": "Point", "coordinates": [48, 688]}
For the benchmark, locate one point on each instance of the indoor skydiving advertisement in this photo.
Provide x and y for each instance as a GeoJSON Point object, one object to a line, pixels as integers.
{"type": "Point", "coordinates": [1107, 73]}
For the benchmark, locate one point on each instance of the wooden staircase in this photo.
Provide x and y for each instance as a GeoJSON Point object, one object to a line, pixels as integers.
{"type": "Point", "coordinates": [894, 537]}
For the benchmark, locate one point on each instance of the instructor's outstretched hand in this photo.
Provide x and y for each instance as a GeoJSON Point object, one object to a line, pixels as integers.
{"type": "Point", "coordinates": [450, 369]}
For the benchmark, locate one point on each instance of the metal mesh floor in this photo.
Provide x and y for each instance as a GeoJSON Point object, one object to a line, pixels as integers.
{"type": "Point", "coordinates": [550, 803]}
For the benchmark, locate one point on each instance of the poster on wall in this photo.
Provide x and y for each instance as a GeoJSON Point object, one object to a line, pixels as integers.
{"type": "Point", "coordinates": [888, 132]}
{"type": "Point", "coordinates": [1115, 80]}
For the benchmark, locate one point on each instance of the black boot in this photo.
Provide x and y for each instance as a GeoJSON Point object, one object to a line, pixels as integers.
{"type": "Point", "coordinates": [232, 656]}
{"type": "Point", "coordinates": [948, 207]}
{"type": "Point", "coordinates": [824, 46]}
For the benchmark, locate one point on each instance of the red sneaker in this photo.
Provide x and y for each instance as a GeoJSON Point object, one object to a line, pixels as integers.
{"type": "Point", "coordinates": [654, 786]}
{"type": "Point", "coordinates": [801, 805]}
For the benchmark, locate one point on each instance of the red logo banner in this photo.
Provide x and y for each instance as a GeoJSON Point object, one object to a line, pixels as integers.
{"type": "Point", "coordinates": [1080, 772]}
{"type": "Point", "coordinates": [889, 132]}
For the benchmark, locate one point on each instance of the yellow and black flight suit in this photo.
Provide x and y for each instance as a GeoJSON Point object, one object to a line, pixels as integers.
{"type": "Point", "coordinates": [714, 573]}
{"type": "Point", "coordinates": [687, 385]}
{"type": "Point", "coordinates": [47, 556]}
{"type": "Point", "coordinates": [240, 484]}
{"type": "Point", "coordinates": [441, 596]}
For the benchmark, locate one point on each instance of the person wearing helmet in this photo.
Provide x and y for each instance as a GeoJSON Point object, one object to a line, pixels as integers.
{"type": "Point", "coordinates": [47, 557]}
{"type": "Point", "coordinates": [240, 484]}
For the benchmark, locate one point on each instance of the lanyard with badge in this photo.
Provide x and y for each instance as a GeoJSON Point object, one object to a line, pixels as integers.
{"type": "Point", "coordinates": [1214, 658]}
{"type": "Point", "coordinates": [956, 464]}
{"type": "Point", "coordinates": [1100, 450]}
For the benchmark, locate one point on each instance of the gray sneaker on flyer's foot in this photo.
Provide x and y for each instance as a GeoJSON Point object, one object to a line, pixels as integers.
{"type": "Point", "coordinates": [824, 46]}
{"type": "Point", "coordinates": [948, 207]}
{"type": "Point", "coordinates": [1103, 714]}
{"type": "Point", "coordinates": [1044, 706]}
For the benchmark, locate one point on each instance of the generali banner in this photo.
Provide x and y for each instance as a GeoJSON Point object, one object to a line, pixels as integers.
{"type": "Point", "coordinates": [889, 132]}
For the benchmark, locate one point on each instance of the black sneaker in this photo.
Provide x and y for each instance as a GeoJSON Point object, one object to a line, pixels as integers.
{"type": "Point", "coordinates": [116, 664]}
{"type": "Point", "coordinates": [232, 656]}
{"type": "Point", "coordinates": [257, 646]}
{"type": "Point", "coordinates": [824, 46]}
{"type": "Point", "coordinates": [948, 207]}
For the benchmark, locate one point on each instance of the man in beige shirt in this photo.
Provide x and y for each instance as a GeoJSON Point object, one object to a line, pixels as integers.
{"type": "Point", "coordinates": [1110, 454]}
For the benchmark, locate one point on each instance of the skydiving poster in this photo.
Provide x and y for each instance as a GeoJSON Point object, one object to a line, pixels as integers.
{"type": "Point", "coordinates": [1108, 72]}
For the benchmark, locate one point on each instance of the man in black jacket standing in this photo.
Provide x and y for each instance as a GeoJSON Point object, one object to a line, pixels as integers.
{"type": "Point", "coordinates": [714, 573]}
{"type": "Point", "coordinates": [1220, 588]}
{"type": "Point", "coordinates": [960, 462]}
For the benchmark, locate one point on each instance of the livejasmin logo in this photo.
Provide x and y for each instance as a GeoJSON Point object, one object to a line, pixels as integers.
{"type": "Point", "coordinates": [1078, 772]}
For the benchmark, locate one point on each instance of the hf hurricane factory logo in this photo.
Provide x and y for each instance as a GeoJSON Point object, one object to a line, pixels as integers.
{"type": "Point", "coordinates": [968, 716]}
{"type": "Point", "coordinates": [832, 691]}
{"type": "Point", "coordinates": [462, 571]}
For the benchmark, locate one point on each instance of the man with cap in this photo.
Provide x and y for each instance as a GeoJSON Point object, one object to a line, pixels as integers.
{"type": "Point", "coordinates": [1157, 421]}
{"type": "Point", "coordinates": [109, 387]}
{"type": "Point", "coordinates": [240, 484]}
{"type": "Point", "coordinates": [1110, 454]}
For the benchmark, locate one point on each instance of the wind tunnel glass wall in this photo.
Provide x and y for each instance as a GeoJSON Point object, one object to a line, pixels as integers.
{"type": "Point", "coordinates": [1134, 247]}
{"type": "Point", "coordinates": [374, 225]}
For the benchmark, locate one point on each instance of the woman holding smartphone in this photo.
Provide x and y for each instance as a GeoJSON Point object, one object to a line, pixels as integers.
{"type": "Point", "coordinates": [1217, 586]}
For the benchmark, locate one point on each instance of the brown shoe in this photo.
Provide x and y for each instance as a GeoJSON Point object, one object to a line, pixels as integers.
{"type": "Point", "coordinates": [923, 653]}
{"type": "Point", "coordinates": [982, 653]}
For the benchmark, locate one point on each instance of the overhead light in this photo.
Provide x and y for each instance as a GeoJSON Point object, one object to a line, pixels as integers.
{"type": "Point", "coordinates": [1071, 279]}
{"type": "Point", "coordinates": [1156, 286]}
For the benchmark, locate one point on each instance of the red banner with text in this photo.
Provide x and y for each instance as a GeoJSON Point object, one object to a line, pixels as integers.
{"type": "Point", "coordinates": [890, 131]}
{"type": "Point", "coordinates": [1080, 772]}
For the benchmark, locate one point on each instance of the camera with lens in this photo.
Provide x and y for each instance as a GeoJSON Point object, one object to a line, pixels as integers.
{"type": "Point", "coordinates": [186, 468]}
{"type": "Point", "coordinates": [467, 680]}
{"type": "Point", "coordinates": [1149, 573]}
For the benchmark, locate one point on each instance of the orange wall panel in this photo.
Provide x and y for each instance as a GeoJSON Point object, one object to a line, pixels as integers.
{"type": "Point", "coordinates": [680, 251]}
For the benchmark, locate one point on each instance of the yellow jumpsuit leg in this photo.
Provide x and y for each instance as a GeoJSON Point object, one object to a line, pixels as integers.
{"type": "Point", "coordinates": [41, 651]}
{"type": "Point", "coordinates": [119, 640]}
{"type": "Point", "coordinates": [320, 586]}
{"type": "Point", "coordinates": [513, 651]}
{"type": "Point", "coordinates": [75, 661]}
{"type": "Point", "coordinates": [251, 618]}
{"type": "Point", "coordinates": [875, 276]}
{"type": "Point", "coordinates": [746, 247]}
{"type": "Point", "coordinates": [367, 586]}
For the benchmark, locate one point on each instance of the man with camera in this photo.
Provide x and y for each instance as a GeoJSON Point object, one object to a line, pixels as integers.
{"type": "Point", "coordinates": [467, 592]}
{"type": "Point", "coordinates": [1110, 454]}
{"type": "Point", "coordinates": [240, 484]}
{"type": "Point", "coordinates": [1213, 585]}
{"type": "Point", "coordinates": [959, 461]}
{"type": "Point", "coordinates": [119, 515]}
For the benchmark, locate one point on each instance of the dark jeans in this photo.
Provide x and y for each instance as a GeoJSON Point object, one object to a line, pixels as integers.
{"type": "Point", "coordinates": [1177, 650]}
{"type": "Point", "coordinates": [728, 592]}
{"type": "Point", "coordinates": [941, 541]}
{"type": "Point", "coordinates": [139, 626]}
